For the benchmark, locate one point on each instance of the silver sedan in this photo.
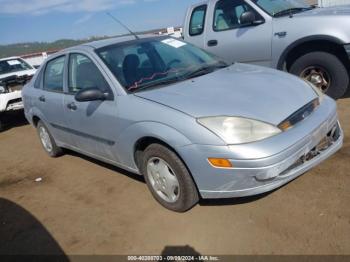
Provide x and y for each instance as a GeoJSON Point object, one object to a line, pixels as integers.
{"type": "Point", "coordinates": [192, 125]}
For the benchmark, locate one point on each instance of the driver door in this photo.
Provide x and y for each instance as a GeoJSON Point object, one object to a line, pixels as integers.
{"type": "Point", "coordinates": [92, 125]}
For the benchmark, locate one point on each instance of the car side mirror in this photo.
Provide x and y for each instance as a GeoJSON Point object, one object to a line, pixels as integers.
{"type": "Point", "coordinates": [90, 94]}
{"type": "Point", "coordinates": [248, 18]}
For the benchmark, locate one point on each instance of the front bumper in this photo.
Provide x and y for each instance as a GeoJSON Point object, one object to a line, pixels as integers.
{"type": "Point", "coordinates": [264, 166]}
{"type": "Point", "coordinates": [11, 101]}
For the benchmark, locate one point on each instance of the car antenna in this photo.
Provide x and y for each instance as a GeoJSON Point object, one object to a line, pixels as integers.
{"type": "Point", "coordinates": [119, 22]}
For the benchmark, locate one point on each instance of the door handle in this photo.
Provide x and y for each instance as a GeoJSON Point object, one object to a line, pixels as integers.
{"type": "Point", "coordinates": [72, 106]}
{"type": "Point", "coordinates": [42, 99]}
{"type": "Point", "coordinates": [212, 42]}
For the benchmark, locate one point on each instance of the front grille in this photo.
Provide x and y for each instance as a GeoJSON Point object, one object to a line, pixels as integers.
{"type": "Point", "coordinates": [299, 115]}
{"type": "Point", "coordinates": [14, 101]}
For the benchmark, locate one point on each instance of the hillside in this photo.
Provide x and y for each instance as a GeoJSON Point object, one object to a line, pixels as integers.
{"type": "Point", "coordinates": [34, 47]}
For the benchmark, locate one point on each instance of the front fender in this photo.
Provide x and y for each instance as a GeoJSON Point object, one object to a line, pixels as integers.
{"type": "Point", "coordinates": [283, 56]}
{"type": "Point", "coordinates": [315, 27]}
{"type": "Point", "coordinates": [127, 140]}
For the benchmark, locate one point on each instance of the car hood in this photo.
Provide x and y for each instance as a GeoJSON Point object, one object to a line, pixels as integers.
{"type": "Point", "coordinates": [239, 90]}
{"type": "Point", "coordinates": [326, 11]}
{"type": "Point", "coordinates": [29, 72]}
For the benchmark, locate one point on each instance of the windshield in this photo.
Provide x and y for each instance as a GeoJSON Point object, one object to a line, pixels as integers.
{"type": "Point", "coordinates": [146, 63]}
{"type": "Point", "coordinates": [13, 65]}
{"type": "Point", "coordinates": [283, 7]}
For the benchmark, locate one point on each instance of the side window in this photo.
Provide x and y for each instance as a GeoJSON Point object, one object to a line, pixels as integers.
{"type": "Point", "coordinates": [197, 20]}
{"type": "Point", "coordinates": [239, 10]}
{"type": "Point", "coordinates": [83, 73]}
{"type": "Point", "coordinates": [228, 12]}
{"type": "Point", "coordinates": [53, 77]}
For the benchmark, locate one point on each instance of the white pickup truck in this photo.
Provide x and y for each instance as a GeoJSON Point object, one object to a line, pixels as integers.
{"type": "Point", "coordinates": [14, 73]}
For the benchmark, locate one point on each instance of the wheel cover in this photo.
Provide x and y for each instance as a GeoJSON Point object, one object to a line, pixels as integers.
{"type": "Point", "coordinates": [318, 76]}
{"type": "Point", "coordinates": [163, 179]}
{"type": "Point", "coordinates": [45, 139]}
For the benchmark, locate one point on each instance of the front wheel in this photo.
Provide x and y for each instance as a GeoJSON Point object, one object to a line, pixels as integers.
{"type": "Point", "coordinates": [324, 70]}
{"type": "Point", "coordinates": [168, 179]}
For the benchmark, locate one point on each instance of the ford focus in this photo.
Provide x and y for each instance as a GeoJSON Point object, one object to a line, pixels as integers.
{"type": "Point", "coordinates": [192, 125]}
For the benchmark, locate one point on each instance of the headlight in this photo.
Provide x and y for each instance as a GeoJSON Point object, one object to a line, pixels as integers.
{"type": "Point", "coordinates": [2, 90]}
{"type": "Point", "coordinates": [238, 130]}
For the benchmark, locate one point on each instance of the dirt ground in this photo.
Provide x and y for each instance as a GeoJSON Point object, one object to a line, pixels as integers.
{"type": "Point", "coordinates": [82, 206]}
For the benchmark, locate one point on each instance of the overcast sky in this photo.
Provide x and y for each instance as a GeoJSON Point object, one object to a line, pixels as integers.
{"type": "Point", "coordinates": [48, 20]}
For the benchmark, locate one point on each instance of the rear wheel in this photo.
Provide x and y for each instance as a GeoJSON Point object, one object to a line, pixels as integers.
{"type": "Point", "coordinates": [168, 179]}
{"type": "Point", "coordinates": [47, 141]}
{"type": "Point", "coordinates": [324, 70]}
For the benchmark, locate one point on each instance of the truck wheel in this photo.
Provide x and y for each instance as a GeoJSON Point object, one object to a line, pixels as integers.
{"type": "Point", "coordinates": [168, 179]}
{"type": "Point", "coordinates": [47, 141]}
{"type": "Point", "coordinates": [324, 70]}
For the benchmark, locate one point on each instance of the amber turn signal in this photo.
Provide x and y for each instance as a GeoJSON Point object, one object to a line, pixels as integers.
{"type": "Point", "coordinates": [285, 125]}
{"type": "Point", "coordinates": [220, 162]}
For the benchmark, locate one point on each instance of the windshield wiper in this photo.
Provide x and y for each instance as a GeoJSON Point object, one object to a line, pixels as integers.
{"type": "Point", "coordinates": [205, 70]}
{"type": "Point", "coordinates": [155, 84]}
{"type": "Point", "coordinates": [200, 71]}
{"type": "Point", "coordinates": [291, 11]}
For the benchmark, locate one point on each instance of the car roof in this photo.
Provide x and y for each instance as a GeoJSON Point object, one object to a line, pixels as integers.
{"type": "Point", "coordinates": [9, 58]}
{"type": "Point", "coordinates": [106, 42]}
{"type": "Point", "coordinates": [115, 40]}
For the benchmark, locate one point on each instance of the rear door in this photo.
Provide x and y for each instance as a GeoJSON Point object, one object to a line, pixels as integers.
{"type": "Point", "coordinates": [232, 41]}
{"type": "Point", "coordinates": [92, 125]}
{"type": "Point", "coordinates": [48, 98]}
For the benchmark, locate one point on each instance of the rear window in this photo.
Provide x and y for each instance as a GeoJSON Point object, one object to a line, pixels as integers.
{"type": "Point", "coordinates": [197, 20]}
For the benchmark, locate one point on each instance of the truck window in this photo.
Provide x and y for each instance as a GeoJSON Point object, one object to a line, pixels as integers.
{"type": "Point", "coordinates": [197, 20]}
{"type": "Point", "coordinates": [227, 14]}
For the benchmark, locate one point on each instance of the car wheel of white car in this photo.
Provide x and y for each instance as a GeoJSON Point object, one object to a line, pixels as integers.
{"type": "Point", "coordinates": [47, 141]}
{"type": "Point", "coordinates": [324, 70]}
{"type": "Point", "coordinates": [168, 179]}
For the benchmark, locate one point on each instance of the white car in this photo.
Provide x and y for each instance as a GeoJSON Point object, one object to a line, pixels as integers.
{"type": "Point", "coordinates": [14, 73]}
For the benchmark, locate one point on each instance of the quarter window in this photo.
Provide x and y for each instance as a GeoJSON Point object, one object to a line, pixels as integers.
{"type": "Point", "coordinates": [53, 78]}
{"type": "Point", "coordinates": [83, 73]}
{"type": "Point", "coordinates": [228, 12]}
{"type": "Point", "coordinates": [37, 83]}
{"type": "Point", "coordinates": [198, 20]}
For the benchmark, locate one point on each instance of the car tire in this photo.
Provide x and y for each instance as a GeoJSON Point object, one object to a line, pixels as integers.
{"type": "Point", "coordinates": [161, 167]}
{"type": "Point", "coordinates": [331, 65]}
{"type": "Point", "coordinates": [47, 141]}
